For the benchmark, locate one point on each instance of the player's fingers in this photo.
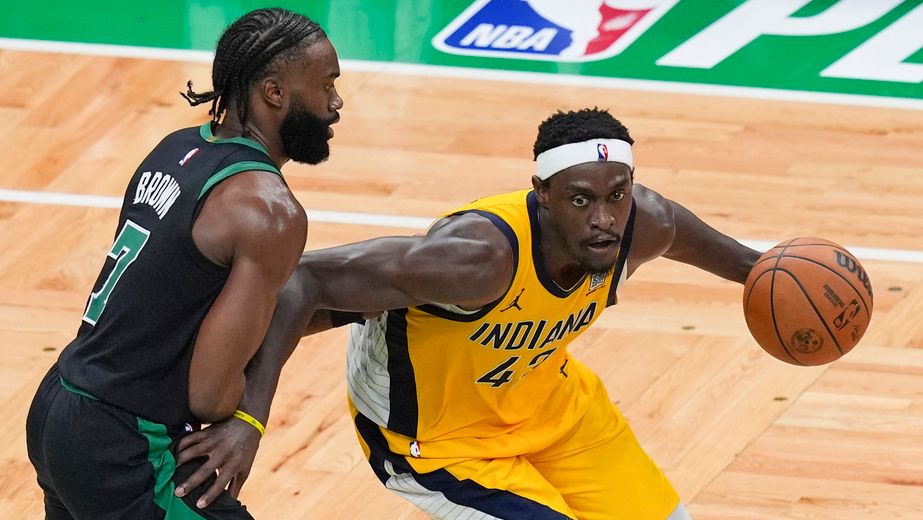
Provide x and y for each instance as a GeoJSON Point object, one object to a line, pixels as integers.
{"type": "Point", "coordinates": [189, 440]}
{"type": "Point", "coordinates": [214, 490]}
{"type": "Point", "coordinates": [196, 479]}
{"type": "Point", "coordinates": [190, 452]}
{"type": "Point", "coordinates": [236, 483]}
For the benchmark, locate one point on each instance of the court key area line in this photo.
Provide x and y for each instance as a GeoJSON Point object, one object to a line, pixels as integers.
{"type": "Point", "coordinates": [397, 221]}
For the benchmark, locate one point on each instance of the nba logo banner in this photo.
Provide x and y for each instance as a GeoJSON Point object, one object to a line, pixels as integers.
{"type": "Point", "coordinates": [559, 30]}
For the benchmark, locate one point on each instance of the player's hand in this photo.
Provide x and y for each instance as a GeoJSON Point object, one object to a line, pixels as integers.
{"type": "Point", "coordinates": [230, 446]}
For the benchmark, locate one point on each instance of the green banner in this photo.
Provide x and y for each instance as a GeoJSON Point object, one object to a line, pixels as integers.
{"type": "Point", "coordinates": [869, 47]}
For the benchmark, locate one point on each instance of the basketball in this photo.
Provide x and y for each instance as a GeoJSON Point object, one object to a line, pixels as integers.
{"type": "Point", "coordinates": [807, 301]}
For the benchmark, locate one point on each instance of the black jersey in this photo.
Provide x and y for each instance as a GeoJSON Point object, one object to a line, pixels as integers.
{"type": "Point", "coordinates": [134, 345]}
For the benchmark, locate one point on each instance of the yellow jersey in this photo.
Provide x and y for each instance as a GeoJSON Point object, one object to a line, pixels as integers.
{"type": "Point", "coordinates": [443, 382]}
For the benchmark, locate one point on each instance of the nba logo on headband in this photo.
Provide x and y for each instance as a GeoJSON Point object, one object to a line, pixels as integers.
{"type": "Point", "coordinates": [559, 158]}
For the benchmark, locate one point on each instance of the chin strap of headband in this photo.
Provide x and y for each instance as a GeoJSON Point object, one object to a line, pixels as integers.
{"type": "Point", "coordinates": [554, 160]}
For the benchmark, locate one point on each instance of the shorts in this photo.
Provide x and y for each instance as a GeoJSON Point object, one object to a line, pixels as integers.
{"type": "Point", "coordinates": [597, 470]}
{"type": "Point", "coordinates": [96, 461]}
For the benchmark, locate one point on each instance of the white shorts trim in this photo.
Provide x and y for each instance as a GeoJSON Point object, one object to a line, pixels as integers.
{"type": "Point", "coordinates": [433, 503]}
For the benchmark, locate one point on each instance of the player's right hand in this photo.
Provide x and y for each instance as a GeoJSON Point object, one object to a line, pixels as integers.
{"type": "Point", "coordinates": [230, 447]}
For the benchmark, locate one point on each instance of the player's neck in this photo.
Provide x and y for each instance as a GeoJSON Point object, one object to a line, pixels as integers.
{"type": "Point", "coordinates": [230, 127]}
{"type": "Point", "coordinates": [559, 265]}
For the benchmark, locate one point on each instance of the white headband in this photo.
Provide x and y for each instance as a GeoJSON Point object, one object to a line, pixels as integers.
{"type": "Point", "coordinates": [554, 160]}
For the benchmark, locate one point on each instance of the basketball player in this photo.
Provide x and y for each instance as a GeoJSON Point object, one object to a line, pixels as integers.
{"type": "Point", "coordinates": [208, 232]}
{"type": "Point", "coordinates": [465, 398]}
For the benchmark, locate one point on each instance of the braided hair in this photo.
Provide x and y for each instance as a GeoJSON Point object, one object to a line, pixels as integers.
{"type": "Point", "coordinates": [574, 127]}
{"type": "Point", "coordinates": [249, 50]}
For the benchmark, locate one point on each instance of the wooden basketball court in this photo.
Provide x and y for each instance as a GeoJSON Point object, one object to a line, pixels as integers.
{"type": "Point", "coordinates": [741, 435]}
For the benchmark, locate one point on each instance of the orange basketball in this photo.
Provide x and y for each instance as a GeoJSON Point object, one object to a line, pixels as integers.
{"type": "Point", "coordinates": [807, 301]}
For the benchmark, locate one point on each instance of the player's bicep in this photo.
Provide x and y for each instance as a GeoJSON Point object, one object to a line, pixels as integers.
{"type": "Point", "coordinates": [697, 243]}
{"type": "Point", "coordinates": [465, 261]}
{"type": "Point", "coordinates": [655, 228]}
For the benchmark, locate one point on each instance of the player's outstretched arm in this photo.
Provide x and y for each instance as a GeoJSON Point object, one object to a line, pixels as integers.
{"type": "Point", "coordinates": [463, 260]}
{"type": "Point", "coordinates": [665, 228]}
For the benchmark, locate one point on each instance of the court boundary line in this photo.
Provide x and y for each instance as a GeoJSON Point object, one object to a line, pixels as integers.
{"type": "Point", "coordinates": [444, 71]}
{"type": "Point", "coordinates": [397, 221]}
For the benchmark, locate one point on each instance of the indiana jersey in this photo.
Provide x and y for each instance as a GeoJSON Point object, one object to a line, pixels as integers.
{"type": "Point", "coordinates": [437, 379]}
{"type": "Point", "coordinates": [135, 341]}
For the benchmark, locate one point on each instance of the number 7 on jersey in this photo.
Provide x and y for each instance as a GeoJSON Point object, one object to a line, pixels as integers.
{"type": "Point", "coordinates": [128, 244]}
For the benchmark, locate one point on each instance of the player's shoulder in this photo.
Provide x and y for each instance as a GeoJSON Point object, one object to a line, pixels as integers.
{"type": "Point", "coordinates": [652, 207]}
{"type": "Point", "coordinates": [260, 202]}
{"type": "Point", "coordinates": [654, 226]}
{"type": "Point", "coordinates": [476, 228]}
{"type": "Point", "coordinates": [654, 214]}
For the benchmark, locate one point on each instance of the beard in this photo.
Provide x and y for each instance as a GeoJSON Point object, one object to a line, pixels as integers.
{"type": "Point", "coordinates": [597, 267]}
{"type": "Point", "coordinates": [304, 136]}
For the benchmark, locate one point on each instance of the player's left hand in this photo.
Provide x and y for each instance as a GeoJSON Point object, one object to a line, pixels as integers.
{"type": "Point", "coordinates": [230, 446]}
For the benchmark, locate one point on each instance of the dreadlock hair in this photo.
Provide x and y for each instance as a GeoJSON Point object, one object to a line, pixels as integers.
{"type": "Point", "coordinates": [575, 127]}
{"type": "Point", "coordinates": [250, 49]}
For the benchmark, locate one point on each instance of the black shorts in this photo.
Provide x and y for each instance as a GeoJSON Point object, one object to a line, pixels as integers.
{"type": "Point", "coordinates": [96, 461]}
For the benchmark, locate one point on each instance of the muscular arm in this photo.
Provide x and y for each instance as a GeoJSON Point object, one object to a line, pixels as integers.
{"type": "Point", "coordinates": [251, 223]}
{"type": "Point", "coordinates": [665, 228]}
{"type": "Point", "coordinates": [465, 261]}
{"type": "Point", "coordinates": [699, 244]}
{"type": "Point", "coordinates": [293, 319]}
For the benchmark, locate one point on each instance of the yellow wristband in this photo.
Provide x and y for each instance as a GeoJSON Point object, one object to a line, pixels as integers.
{"type": "Point", "coordinates": [247, 418]}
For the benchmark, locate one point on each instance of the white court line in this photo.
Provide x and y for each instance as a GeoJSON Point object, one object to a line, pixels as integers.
{"type": "Point", "coordinates": [397, 221]}
{"type": "Point", "coordinates": [544, 78]}
{"type": "Point", "coordinates": [97, 201]}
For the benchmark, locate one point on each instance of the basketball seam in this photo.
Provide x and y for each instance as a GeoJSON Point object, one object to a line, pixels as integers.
{"type": "Point", "coordinates": [853, 287]}
{"type": "Point", "coordinates": [752, 286]}
{"type": "Point", "coordinates": [747, 305]}
{"type": "Point", "coordinates": [772, 304]}
{"type": "Point", "coordinates": [765, 258]}
{"type": "Point", "coordinates": [816, 310]}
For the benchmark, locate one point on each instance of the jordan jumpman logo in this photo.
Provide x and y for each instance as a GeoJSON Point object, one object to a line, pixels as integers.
{"type": "Point", "coordinates": [515, 302]}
